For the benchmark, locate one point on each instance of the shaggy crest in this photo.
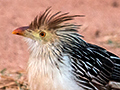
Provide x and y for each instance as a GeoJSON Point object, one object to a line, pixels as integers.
{"type": "Point", "coordinates": [52, 21]}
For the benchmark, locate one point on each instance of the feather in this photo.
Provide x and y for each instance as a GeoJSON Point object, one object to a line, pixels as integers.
{"type": "Point", "coordinates": [52, 21]}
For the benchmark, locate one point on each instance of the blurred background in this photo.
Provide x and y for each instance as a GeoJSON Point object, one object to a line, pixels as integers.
{"type": "Point", "coordinates": [100, 26]}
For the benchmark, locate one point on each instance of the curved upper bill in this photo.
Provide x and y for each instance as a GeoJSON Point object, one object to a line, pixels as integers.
{"type": "Point", "coordinates": [20, 31]}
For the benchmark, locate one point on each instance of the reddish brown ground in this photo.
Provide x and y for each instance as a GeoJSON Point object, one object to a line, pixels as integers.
{"type": "Point", "coordinates": [101, 25]}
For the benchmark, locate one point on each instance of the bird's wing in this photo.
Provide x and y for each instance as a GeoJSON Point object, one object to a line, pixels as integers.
{"type": "Point", "coordinates": [94, 66]}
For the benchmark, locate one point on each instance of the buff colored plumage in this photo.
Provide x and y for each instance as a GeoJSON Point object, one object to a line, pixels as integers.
{"type": "Point", "coordinates": [61, 60]}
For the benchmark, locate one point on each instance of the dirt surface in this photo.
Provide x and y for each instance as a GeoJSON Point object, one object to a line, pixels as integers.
{"type": "Point", "coordinates": [101, 25]}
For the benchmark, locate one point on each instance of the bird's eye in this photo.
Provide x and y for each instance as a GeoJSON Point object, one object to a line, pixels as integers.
{"type": "Point", "coordinates": [42, 34]}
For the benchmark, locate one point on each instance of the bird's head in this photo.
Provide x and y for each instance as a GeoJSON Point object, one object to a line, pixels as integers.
{"type": "Point", "coordinates": [39, 33]}
{"type": "Point", "coordinates": [45, 27]}
{"type": "Point", "coordinates": [49, 37]}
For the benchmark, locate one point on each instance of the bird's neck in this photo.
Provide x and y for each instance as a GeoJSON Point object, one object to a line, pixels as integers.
{"type": "Point", "coordinates": [48, 75]}
{"type": "Point", "coordinates": [42, 57]}
{"type": "Point", "coordinates": [46, 71]}
{"type": "Point", "coordinates": [42, 66]}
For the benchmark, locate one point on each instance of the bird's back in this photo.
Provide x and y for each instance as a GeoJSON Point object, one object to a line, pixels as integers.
{"type": "Point", "coordinates": [94, 67]}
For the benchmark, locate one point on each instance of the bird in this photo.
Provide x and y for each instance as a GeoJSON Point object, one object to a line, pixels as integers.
{"type": "Point", "coordinates": [60, 59]}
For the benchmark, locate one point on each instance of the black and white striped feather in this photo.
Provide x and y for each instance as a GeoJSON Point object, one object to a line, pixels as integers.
{"type": "Point", "coordinates": [93, 66]}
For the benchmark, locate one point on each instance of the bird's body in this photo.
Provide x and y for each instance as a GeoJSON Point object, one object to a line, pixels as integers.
{"type": "Point", "coordinates": [61, 60]}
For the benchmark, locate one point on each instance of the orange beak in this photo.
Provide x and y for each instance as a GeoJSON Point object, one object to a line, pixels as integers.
{"type": "Point", "coordinates": [20, 31]}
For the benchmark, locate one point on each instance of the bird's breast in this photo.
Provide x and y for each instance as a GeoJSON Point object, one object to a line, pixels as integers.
{"type": "Point", "coordinates": [44, 76]}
